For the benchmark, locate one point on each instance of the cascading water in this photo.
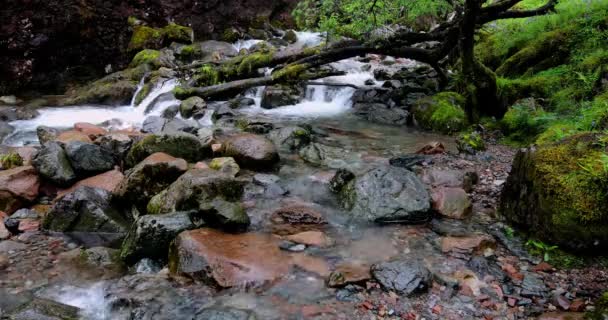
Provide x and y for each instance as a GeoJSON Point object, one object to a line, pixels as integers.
{"type": "Point", "coordinates": [119, 117]}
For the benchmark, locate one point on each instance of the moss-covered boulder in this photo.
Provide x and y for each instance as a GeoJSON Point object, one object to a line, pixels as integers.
{"type": "Point", "coordinates": [559, 192]}
{"type": "Point", "coordinates": [191, 106]}
{"type": "Point", "coordinates": [181, 145]}
{"type": "Point", "coordinates": [470, 143]}
{"type": "Point", "coordinates": [443, 112]}
{"type": "Point", "coordinates": [145, 37]}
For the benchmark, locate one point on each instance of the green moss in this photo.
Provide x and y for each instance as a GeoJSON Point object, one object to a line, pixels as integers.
{"type": "Point", "coordinates": [601, 308]}
{"type": "Point", "coordinates": [143, 93]}
{"type": "Point", "coordinates": [147, 56]}
{"type": "Point", "coordinates": [290, 72]}
{"type": "Point", "coordinates": [442, 112]}
{"type": "Point", "coordinates": [145, 37]}
{"type": "Point", "coordinates": [207, 75]}
{"type": "Point", "coordinates": [231, 35]}
{"type": "Point", "coordinates": [471, 143]}
{"type": "Point", "coordinates": [246, 65]}
{"type": "Point", "coordinates": [11, 160]}
{"type": "Point", "coordinates": [525, 120]}
{"type": "Point", "coordinates": [177, 33]}
{"type": "Point", "coordinates": [182, 93]}
{"type": "Point", "coordinates": [155, 204]}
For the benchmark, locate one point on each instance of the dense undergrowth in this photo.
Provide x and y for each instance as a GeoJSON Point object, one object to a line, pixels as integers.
{"type": "Point", "coordinates": [561, 61]}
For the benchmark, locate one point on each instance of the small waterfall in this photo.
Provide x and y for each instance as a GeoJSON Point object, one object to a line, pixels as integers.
{"type": "Point", "coordinates": [245, 44]}
{"type": "Point", "coordinates": [140, 86]}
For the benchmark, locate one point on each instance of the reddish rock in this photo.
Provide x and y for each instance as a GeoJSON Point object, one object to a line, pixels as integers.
{"type": "Point", "coordinates": [107, 181]}
{"type": "Point", "coordinates": [577, 305]}
{"type": "Point", "coordinates": [543, 267]}
{"type": "Point", "coordinates": [90, 129]}
{"type": "Point", "coordinates": [27, 154]}
{"type": "Point", "coordinates": [561, 302]}
{"type": "Point", "coordinates": [73, 135]}
{"type": "Point", "coordinates": [310, 238]}
{"type": "Point", "coordinates": [310, 264]}
{"type": "Point", "coordinates": [348, 274]}
{"type": "Point", "coordinates": [4, 233]}
{"type": "Point", "coordinates": [29, 225]}
{"type": "Point", "coordinates": [228, 259]}
{"type": "Point", "coordinates": [4, 261]}
{"type": "Point", "coordinates": [216, 147]}
{"type": "Point", "coordinates": [476, 244]}
{"type": "Point", "coordinates": [18, 186]}
{"type": "Point", "coordinates": [432, 148]}
{"type": "Point", "coordinates": [201, 165]}
{"type": "Point", "coordinates": [562, 316]}
{"type": "Point", "coordinates": [451, 202]}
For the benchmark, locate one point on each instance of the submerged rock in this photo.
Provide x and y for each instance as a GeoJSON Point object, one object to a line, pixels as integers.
{"type": "Point", "coordinates": [558, 193]}
{"type": "Point", "coordinates": [52, 163]}
{"type": "Point", "coordinates": [26, 307]}
{"type": "Point", "coordinates": [290, 138]}
{"type": "Point", "coordinates": [387, 195]}
{"type": "Point", "coordinates": [251, 151]}
{"type": "Point", "coordinates": [405, 277]}
{"type": "Point", "coordinates": [228, 259]}
{"type": "Point", "coordinates": [150, 235]}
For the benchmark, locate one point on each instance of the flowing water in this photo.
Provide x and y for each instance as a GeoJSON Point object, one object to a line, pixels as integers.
{"type": "Point", "coordinates": [359, 145]}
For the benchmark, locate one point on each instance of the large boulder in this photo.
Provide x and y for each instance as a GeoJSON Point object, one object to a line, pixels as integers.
{"type": "Point", "coordinates": [180, 145]}
{"type": "Point", "coordinates": [442, 112]}
{"type": "Point", "coordinates": [381, 113]}
{"type": "Point", "coordinates": [87, 214]}
{"type": "Point", "coordinates": [148, 178]}
{"type": "Point", "coordinates": [88, 159]}
{"type": "Point", "coordinates": [195, 190]}
{"type": "Point", "coordinates": [228, 259]}
{"type": "Point", "coordinates": [386, 194]}
{"type": "Point", "coordinates": [251, 151]}
{"type": "Point", "coordinates": [150, 235]}
{"type": "Point", "coordinates": [402, 276]}
{"type": "Point", "coordinates": [281, 95]}
{"type": "Point", "coordinates": [53, 164]}
{"type": "Point", "coordinates": [191, 106]}
{"type": "Point", "coordinates": [558, 193]}
{"type": "Point", "coordinates": [18, 186]}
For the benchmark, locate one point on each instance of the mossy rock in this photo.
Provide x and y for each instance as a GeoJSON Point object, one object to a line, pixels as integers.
{"type": "Point", "coordinates": [443, 112]}
{"type": "Point", "coordinates": [547, 51]}
{"type": "Point", "coordinates": [191, 106]}
{"type": "Point", "coordinates": [207, 75]}
{"type": "Point", "coordinates": [180, 145]}
{"type": "Point", "coordinates": [559, 192]}
{"type": "Point", "coordinates": [145, 37]}
{"type": "Point", "coordinates": [176, 33]}
{"type": "Point", "coordinates": [246, 64]}
{"type": "Point", "coordinates": [470, 143]}
{"type": "Point", "coordinates": [146, 56]}
{"type": "Point", "coordinates": [231, 35]}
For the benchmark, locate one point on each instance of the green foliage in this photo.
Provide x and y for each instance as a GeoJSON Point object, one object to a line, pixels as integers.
{"type": "Point", "coordinates": [10, 160]}
{"type": "Point", "coordinates": [541, 248]}
{"type": "Point", "coordinates": [207, 75]}
{"type": "Point", "coordinates": [509, 232]}
{"type": "Point", "coordinates": [355, 18]}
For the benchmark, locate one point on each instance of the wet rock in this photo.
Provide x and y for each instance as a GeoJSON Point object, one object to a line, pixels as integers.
{"type": "Point", "coordinates": [150, 235]}
{"type": "Point", "coordinates": [211, 47]}
{"type": "Point", "coordinates": [310, 238]}
{"type": "Point", "coordinates": [318, 154]}
{"type": "Point", "coordinates": [46, 134]}
{"type": "Point", "coordinates": [533, 286]}
{"type": "Point", "coordinates": [259, 127]}
{"type": "Point", "coordinates": [483, 266]}
{"type": "Point", "coordinates": [89, 159]}
{"type": "Point", "coordinates": [72, 136]}
{"type": "Point", "coordinates": [290, 36]}
{"type": "Point", "coordinates": [226, 165]}
{"type": "Point", "coordinates": [405, 277]}
{"type": "Point", "coordinates": [179, 145]}
{"type": "Point", "coordinates": [381, 113]}
{"type": "Point", "coordinates": [90, 129]}
{"type": "Point", "coordinates": [224, 112]}
{"type": "Point", "coordinates": [346, 274]}
{"type": "Point", "coordinates": [86, 211]}
{"type": "Point", "coordinates": [290, 138]}
{"type": "Point", "coordinates": [408, 161]}
{"type": "Point", "coordinates": [241, 102]}
{"type": "Point", "coordinates": [38, 308]}
{"type": "Point", "coordinates": [432, 148]}
{"type": "Point", "coordinates": [153, 124]}
{"type": "Point", "coordinates": [117, 143]}
{"type": "Point", "coordinates": [297, 214]}
{"type": "Point", "coordinates": [340, 180]}
{"type": "Point", "coordinates": [451, 202]}
{"type": "Point", "coordinates": [387, 195]}
{"type": "Point", "coordinates": [107, 181]}
{"type": "Point", "coordinates": [442, 112]}
{"type": "Point", "coordinates": [473, 244]}
{"type": "Point", "coordinates": [9, 245]}
{"type": "Point", "coordinates": [25, 214]}
{"type": "Point", "coordinates": [221, 214]}
{"type": "Point", "coordinates": [192, 106]}
{"type": "Point", "coordinates": [196, 189]}
{"type": "Point", "coordinates": [180, 125]}
{"type": "Point", "coordinates": [281, 95]}
{"type": "Point", "coordinates": [224, 313]}
{"type": "Point", "coordinates": [148, 178]}
{"type": "Point", "coordinates": [52, 163]}
{"type": "Point", "coordinates": [437, 177]}
{"type": "Point", "coordinates": [251, 151]}
{"type": "Point", "coordinates": [18, 186]}
{"type": "Point", "coordinates": [227, 259]}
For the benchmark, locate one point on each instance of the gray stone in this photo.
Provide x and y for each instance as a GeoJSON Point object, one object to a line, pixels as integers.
{"type": "Point", "coordinates": [403, 276]}
{"type": "Point", "coordinates": [52, 163]}
{"type": "Point", "coordinates": [290, 138]}
{"type": "Point", "coordinates": [46, 134]}
{"type": "Point", "coordinates": [153, 124]}
{"type": "Point", "coordinates": [281, 95]}
{"type": "Point", "coordinates": [88, 159]}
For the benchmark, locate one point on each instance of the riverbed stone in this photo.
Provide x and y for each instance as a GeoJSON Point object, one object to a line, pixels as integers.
{"type": "Point", "coordinates": [72, 136]}
{"type": "Point", "coordinates": [477, 243]}
{"type": "Point", "coordinates": [195, 189]}
{"type": "Point", "coordinates": [228, 259]}
{"type": "Point", "coordinates": [89, 159]}
{"type": "Point", "coordinates": [192, 106]}
{"type": "Point", "coordinates": [180, 145]}
{"type": "Point", "coordinates": [226, 165]}
{"type": "Point", "coordinates": [18, 186]}
{"type": "Point", "coordinates": [451, 202]}
{"type": "Point", "coordinates": [387, 194]}
{"type": "Point", "coordinates": [405, 277]}
{"type": "Point", "coordinates": [150, 235]}
{"type": "Point", "coordinates": [148, 178]}
{"type": "Point", "coordinates": [117, 143]}
{"type": "Point", "coordinates": [46, 134]}
{"type": "Point", "coordinates": [52, 163]}
{"type": "Point", "coordinates": [90, 129]}
{"type": "Point", "coordinates": [281, 95]}
{"type": "Point", "coordinates": [290, 138]}
{"type": "Point", "coordinates": [251, 151]}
